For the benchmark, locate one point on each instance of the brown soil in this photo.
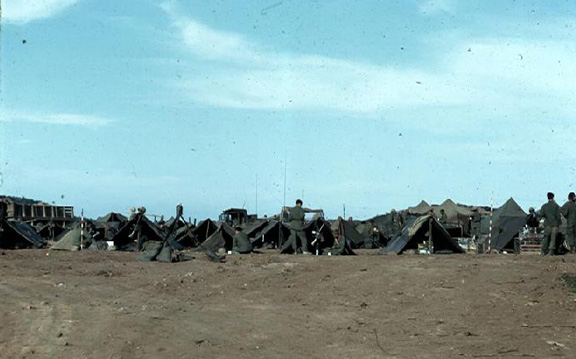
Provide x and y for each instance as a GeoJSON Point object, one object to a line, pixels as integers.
{"type": "Point", "coordinates": [110, 305]}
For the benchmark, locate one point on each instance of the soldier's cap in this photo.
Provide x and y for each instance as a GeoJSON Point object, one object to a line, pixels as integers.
{"type": "Point", "coordinates": [531, 209]}
{"type": "Point", "coordinates": [238, 228]}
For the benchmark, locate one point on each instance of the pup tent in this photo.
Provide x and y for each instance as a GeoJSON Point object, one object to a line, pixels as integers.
{"type": "Point", "coordinates": [318, 234]}
{"type": "Point", "coordinates": [274, 234]}
{"type": "Point", "coordinates": [198, 235]}
{"type": "Point", "coordinates": [139, 229]}
{"type": "Point", "coordinates": [19, 235]}
{"type": "Point", "coordinates": [417, 231]}
{"type": "Point", "coordinates": [506, 224]}
{"type": "Point", "coordinates": [221, 238]}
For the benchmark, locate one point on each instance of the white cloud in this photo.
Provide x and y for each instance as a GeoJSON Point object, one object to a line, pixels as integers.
{"type": "Point", "coordinates": [55, 119]}
{"type": "Point", "coordinates": [23, 11]}
{"type": "Point", "coordinates": [502, 74]}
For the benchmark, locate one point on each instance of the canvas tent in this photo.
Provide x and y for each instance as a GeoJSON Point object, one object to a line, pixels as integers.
{"type": "Point", "coordinates": [346, 230]}
{"type": "Point", "coordinates": [221, 238]}
{"type": "Point", "coordinates": [386, 226]}
{"type": "Point", "coordinates": [275, 232]}
{"type": "Point", "coordinates": [69, 241]}
{"type": "Point", "coordinates": [506, 223]}
{"type": "Point", "coordinates": [202, 232]}
{"type": "Point", "coordinates": [417, 231]}
{"type": "Point", "coordinates": [323, 227]}
{"type": "Point", "coordinates": [420, 209]}
{"type": "Point", "coordinates": [254, 228]}
{"type": "Point", "coordinates": [125, 240]}
{"type": "Point", "coordinates": [112, 217]}
{"type": "Point", "coordinates": [457, 215]}
{"type": "Point", "coordinates": [320, 226]}
{"type": "Point", "coordinates": [16, 235]}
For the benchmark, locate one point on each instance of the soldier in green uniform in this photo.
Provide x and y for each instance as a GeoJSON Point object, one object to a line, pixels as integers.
{"type": "Point", "coordinates": [443, 217]}
{"type": "Point", "coordinates": [475, 224]}
{"type": "Point", "coordinates": [240, 242]}
{"type": "Point", "coordinates": [296, 222]}
{"type": "Point", "coordinates": [569, 212]}
{"type": "Point", "coordinates": [550, 212]}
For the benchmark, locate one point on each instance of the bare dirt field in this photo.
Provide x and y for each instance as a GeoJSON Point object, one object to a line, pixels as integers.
{"type": "Point", "coordinates": [109, 305]}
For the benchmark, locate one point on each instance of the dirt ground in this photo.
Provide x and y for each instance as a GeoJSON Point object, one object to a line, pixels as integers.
{"type": "Point", "coordinates": [109, 305]}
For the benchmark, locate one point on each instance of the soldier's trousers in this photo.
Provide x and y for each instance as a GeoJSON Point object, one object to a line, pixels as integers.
{"type": "Point", "coordinates": [293, 241]}
{"type": "Point", "coordinates": [549, 241]}
{"type": "Point", "coordinates": [571, 237]}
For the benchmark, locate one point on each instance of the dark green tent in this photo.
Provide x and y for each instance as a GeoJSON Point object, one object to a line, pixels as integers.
{"type": "Point", "coordinates": [417, 231]}
{"type": "Point", "coordinates": [506, 224]}
{"type": "Point", "coordinates": [275, 232]}
{"type": "Point", "coordinates": [221, 238]}
{"type": "Point", "coordinates": [112, 217]}
{"type": "Point", "coordinates": [204, 230]}
{"type": "Point", "coordinates": [347, 230]}
{"type": "Point", "coordinates": [17, 235]}
{"type": "Point", "coordinates": [125, 239]}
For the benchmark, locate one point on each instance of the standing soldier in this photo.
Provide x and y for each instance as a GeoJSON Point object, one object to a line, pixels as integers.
{"type": "Point", "coordinates": [296, 221]}
{"type": "Point", "coordinates": [443, 217]}
{"type": "Point", "coordinates": [550, 212]}
{"type": "Point", "coordinates": [397, 221]}
{"type": "Point", "coordinates": [569, 212]}
{"type": "Point", "coordinates": [475, 223]}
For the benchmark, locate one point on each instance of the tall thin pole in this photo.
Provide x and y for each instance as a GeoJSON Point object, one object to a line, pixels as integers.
{"type": "Point", "coordinates": [82, 229]}
{"type": "Point", "coordinates": [490, 232]}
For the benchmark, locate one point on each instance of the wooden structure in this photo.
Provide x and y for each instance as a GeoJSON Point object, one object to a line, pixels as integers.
{"type": "Point", "coordinates": [36, 212]}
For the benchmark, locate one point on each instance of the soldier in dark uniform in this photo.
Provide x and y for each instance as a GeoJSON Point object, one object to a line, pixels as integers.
{"type": "Point", "coordinates": [296, 222]}
{"type": "Point", "coordinates": [569, 212]}
{"type": "Point", "coordinates": [551, 213]}
{"type": "Point", "coordinates": [240, 242]}
{"type": "Point", "coordinates": [532, 220]}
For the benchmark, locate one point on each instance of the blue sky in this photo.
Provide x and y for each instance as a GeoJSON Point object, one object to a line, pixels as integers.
{"type": "Point", "coordinates": [371, 104]}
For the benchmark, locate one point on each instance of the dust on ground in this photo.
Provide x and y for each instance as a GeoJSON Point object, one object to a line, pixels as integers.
{"type": "Point", "coordinates": [109, 305]}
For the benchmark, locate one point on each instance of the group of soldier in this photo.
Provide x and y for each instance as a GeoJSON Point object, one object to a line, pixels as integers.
{"type": "Point", "coordinates": [552, 214]}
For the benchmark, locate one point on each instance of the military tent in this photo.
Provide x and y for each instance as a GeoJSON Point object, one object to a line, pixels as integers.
{"type": "Point", "coordinates": [254, 228]}
{"type": "Point", "coordinates": [17, 235]}
{"type": "Point", "coordinates": [417, 231]}
{"type": "Point", "coordinates": [506, 224]}
{"type": "Point", "coordinates": [221, 238]}
{"type": "Point", "coordinates": [275, 233]}
{"type": "Point", "coordinates": [70, 241]}
{"type": "Point", "coordinates": [387, 226]}
{"type": "Point", "coordinates": [112, 217]}
{"type": "Point", "coordinates": [457, 215]}
{"type": "Point", "coordinates": [202, 232]}
{"type": "Point", "coordinates": [420, 209]}
{"type": "Point", "coordinates": [317, 229]}
{"type": "Point", "coordinates": [346, 230]}
{"type": "Point", "coordinates": [126, 236]}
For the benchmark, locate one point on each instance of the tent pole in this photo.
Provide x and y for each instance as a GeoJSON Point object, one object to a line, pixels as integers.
{"type": "Point", "coordinates": [430, 245]}
{"type": "Point", "coordinates": [82, 229]}
{"type": "Point", "coordinates": [490, 232]}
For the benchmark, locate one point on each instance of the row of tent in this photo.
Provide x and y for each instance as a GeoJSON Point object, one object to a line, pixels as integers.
{"type": "Point", "coordinates": [116, 229]}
